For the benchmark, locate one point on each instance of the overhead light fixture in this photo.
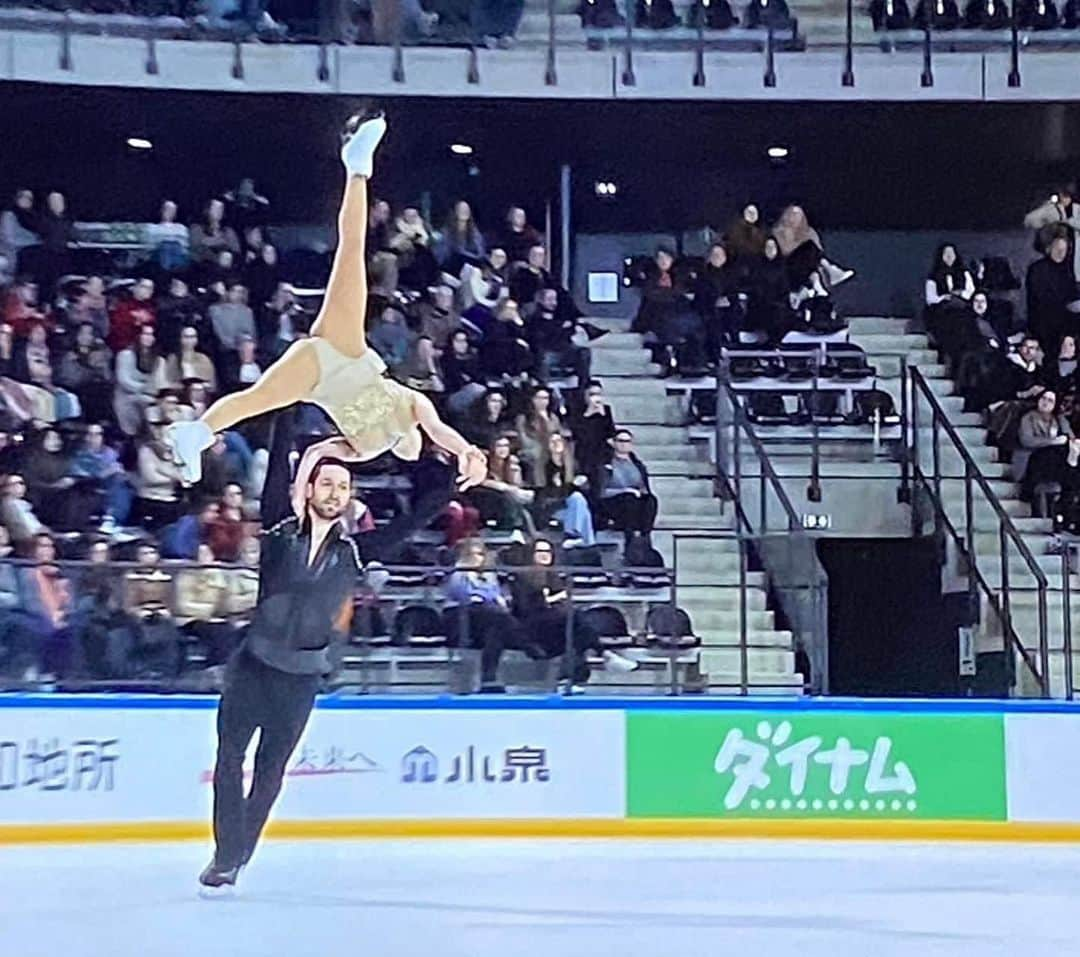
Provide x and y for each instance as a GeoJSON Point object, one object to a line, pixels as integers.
{"type": "Point", "coordinates": [461, 149]}
{"type": "Point", "coordinates": [605, 189]}
{"type": "Point", "coordinates": [139, 143]}
{"type": "Point", "coordinates": [778, 152]}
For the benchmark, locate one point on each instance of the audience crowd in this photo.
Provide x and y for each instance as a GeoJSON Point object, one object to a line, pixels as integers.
{"type": "Point", "coordinates": [1021, 371]}
{"type": "Point", "coordinates": [96, 361]}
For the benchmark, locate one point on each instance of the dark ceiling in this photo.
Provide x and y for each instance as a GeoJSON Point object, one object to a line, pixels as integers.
{"type": "Point", "coordinates": [677, 165]}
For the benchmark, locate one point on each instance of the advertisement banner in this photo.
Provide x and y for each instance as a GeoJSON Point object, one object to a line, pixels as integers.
{"type": "Point", "coordinates": [1042, 757]}
{"type": "Point", "coordinates": [885, 765]}
{"type": "Point", "coordinates": [99, 764]}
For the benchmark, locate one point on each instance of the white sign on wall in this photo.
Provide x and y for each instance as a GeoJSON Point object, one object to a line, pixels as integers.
{"type": "Point", "coordinates": [103, 764]}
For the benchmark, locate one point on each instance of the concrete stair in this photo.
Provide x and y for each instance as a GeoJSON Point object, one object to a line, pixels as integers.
{"type": "Point", "coordinates": [707, 580]}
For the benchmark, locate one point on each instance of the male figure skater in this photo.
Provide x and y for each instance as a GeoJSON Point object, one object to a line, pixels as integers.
{"type": "Point", "coordinates": [307, 576]}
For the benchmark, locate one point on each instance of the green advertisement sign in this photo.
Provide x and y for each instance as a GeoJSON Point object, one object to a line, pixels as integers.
{"type": "Point", "coordinates": [793, 764]}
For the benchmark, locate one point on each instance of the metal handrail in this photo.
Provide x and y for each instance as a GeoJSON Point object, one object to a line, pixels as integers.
{"type": "Point", "coordinates": [1007, 531]}
{"type": "Point", "coordinates": [730, 489]}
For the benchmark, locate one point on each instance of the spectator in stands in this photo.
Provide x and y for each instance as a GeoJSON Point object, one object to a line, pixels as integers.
{"type": "Point", "coordinates": [247, 208]}
{"type": "Point", "coordinates": [378, 231]}
{"type": "Point", "coordinates": [474, 601]}
{"type": "Point", "coordinates": [48, 603]}
{"type": "Point", "coordinates": [535, 427]}
{"type": "Point", "coordinates": [495, 22]}
{"type": "Point", "coordinates": [131, 314]}
{"type": "Point", "coordinates": [438, 317]}
{"type": "Point", "coordinates": [188, 364]}
{"type": "Point", "coordinates": [91, 306]}
{"type": "Point", "coordinates": [262, 276]}
{"type": "Point", "coordinates": [462, 375]}
{"type": "Point", "coordinates": [177, 310]}
{"type": "Point", "coordinates": [745, 238]}
{"type": "Point", "coordinates": [625, 496]}
{"type": "Point", "coordinates": [18, 233]}
{"type": "Point", "coordinates": [769, 303]}
{"type": "Point", "coordinates": [1058, 216]}
{"type": "Point", "coordinates": [1051, 289]}
{"type": "Point", "coordinates": [559, 496]}
{"type": "Point", "coordinates": [211, 236]}
{"type": "Point", "coordinates": [199, 605]}
{"type": "Point", "coordinates": [98, 466]}
{"type": "Point", "coordinates": [182, 538]}
{"type": "Point", "coordinates": [518, 237]}
{"type": "Point", "coordinates": [501, 499]}
{"type": "Point", "coordinates": [56, 231]}
{"type": "Point", "coordinates": [158, 479]}
{"type": "Point", "coordinates": [32, 354]}
{"type": "Point", "coordinates": [227, 531]}
{"type": "Point", "coordinates": [528, 279]}
{"type": "Point", "coordinates": [1060, 376]}
{"type": "Point", "coordinates": [51, 488]}
{"type": "Point", "coordinates": [504, 350]}
{"type": "Point", "coordinates": [18, 641]}
{"type": "Point", "coordinates": [949, 290]}
{"type": "Point", "coordinates": [1015, 392]}
{"type": "Point", "coordinates": [600, 14]}
{"type": "Point", "coordinates": [233, 319]}
{"type": "Point", "coordinates": [171, 239]}
{"type": "Point", "coordinates": [148, 592]}
{"type": "Point", "coordinates": [483, 287]}
{"type": "Point", "coordinates": [489, 419]}
{"type": "Point", "coordinates": [555, 340]}
{"type": "Point", "coordinates": [716, 298]}
{"type": "Point", "coordinates": [541, 604]}
{"type": "Point", "coordinates": [804, 254]}
{"type": "Point", "coordinates": [593, 431]}
{"type": "Point", "coordinates": [1043, 434]}
{"type": "Point", "coordinates": [8, 354]}
{"type": "Point", "coordinates": [86, 370]}
{"type": "Point", "coordinates": [461, 241]}
{"type": "Point", "coordinates": [391, 337]}
{"type": "Point", "coordinates": [411, 240]}
{"type": "Point", "coordinates": [18, 514]}
{"type": "Point", "coordinates": [243, 369]}
{"type": "Point", "coordinates": [22, 308]}
{"type": "Point", "coordinates": [136, 372]}
{"type": "Point", "coordinates": [655, 15]}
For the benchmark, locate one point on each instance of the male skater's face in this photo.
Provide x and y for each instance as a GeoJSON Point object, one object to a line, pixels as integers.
{"type": "Point", "coordinates": [330, 491]}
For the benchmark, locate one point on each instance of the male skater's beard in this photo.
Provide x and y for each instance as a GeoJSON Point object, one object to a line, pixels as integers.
{"type": "Point", "coordinates": [328, 510]}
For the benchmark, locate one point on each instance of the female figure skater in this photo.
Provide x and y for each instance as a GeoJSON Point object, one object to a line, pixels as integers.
{"type": "Point", "coordinates": [335, 368]}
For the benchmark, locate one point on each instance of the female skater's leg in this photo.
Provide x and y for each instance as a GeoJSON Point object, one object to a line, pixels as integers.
{"type": "Point", "coordinates": [342, 317]}
{"type": "Point", "coordinates": [291, 379]}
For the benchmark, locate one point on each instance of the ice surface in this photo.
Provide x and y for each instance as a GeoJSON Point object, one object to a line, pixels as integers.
{"type": "Point", "coordinates": [546, 898]}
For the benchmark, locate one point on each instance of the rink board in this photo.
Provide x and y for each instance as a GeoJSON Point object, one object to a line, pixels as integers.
{"type": "Point", "coordinates": [84, 768]}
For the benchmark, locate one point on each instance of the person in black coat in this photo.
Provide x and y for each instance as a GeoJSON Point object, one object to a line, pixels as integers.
{"type": "Point", "coordinates": [1051, 286]}
{"type": "Point", "coordinates": [593, 431]}
{"type": "Point", "coordinates": [769, 304]}
{"type": "Point", "coordinates": [716, 298]}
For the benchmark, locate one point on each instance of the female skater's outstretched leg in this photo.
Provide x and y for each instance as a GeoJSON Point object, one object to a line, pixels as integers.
{"type": "Point", "coordinates": [341, 320]}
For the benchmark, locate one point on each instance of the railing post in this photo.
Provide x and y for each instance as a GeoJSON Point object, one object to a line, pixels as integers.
{"type": "Point", "coordinates": [699, 50]}
{"type": "Point", "coordinates": [935, 448]}
{"type": "Point", "coordinates": [770, 57]}
{"type": "Point", "coordinates": [1044, 644]}
{"type": "Point", "coordinates": [551, 78]}
{"type": "Point", "coordinates": [1014, 49]}
{"type": "Point", "coordinates": [969, 529]}
{"type": "Point", "coordinates": [1066, 618]}
{"type": "Point", "coordinates": [813, 490]}
{"type": "Point", "coordinates": [904, 494]}
{"type": "Point", "coordinates": [927, 78]}
{"type": "Point", "coordinates": [569, 651]}
{"type": "Point", "coordinates": [848, 77]}
{"type": "Point", "coordinates": [1006, 607]}
{"type": "Point", "coordinates": [673, 590]}
{"type": "Point", "coordinates": [628, 78]}
{"type": "Point", "coordinates": [744, 654]}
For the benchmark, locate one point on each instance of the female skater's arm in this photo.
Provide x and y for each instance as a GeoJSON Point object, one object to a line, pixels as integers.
{"type": "Point", "coordinates": [472, 463]}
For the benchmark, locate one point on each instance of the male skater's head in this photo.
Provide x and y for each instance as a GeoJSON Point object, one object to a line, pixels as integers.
{"type": "Point", "coordinates": [329, 490]}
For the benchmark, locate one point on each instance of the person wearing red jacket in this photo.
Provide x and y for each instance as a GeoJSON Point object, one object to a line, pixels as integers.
{"type": "Point", "coordinates": [131, 314]}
